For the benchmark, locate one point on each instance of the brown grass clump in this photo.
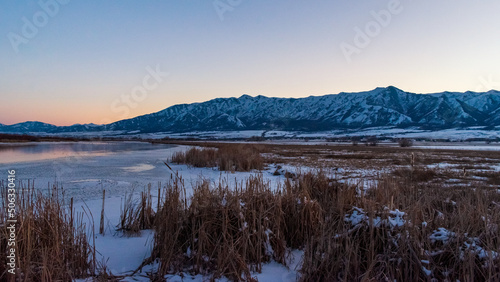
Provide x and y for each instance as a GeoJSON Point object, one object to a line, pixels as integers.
{"type": "Point", "coordinates": [137, 215]}
{"type": "Point", "coordinates": [417, 174]}
{"type": "Point", "coordinates": [51, 240]}
{"type": "Point", "coordinates": [169, 226]}
{"type": "Point", "coordinates": [205, 157]}
{"type": "Point", "coordinates": [405, 231]}
{"type": "Point", "coordinates": [232, 232]}
{"type": "Point", "coordinates": [221, 232]}
{"type": "Point", "coordinates": [228, 157]}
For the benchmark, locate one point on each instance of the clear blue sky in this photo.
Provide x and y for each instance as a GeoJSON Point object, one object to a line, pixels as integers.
{"type": "Point", "coordinates": [86, 58]}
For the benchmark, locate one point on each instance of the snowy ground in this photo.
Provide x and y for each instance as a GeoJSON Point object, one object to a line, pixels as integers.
{"type": "Point", "coordinates": [123, 254]}
{"type": "Point", "coordinates": [455, 134]}
{"type": "Point", "coordinates": [476, 147]}
{"type": "Point", "coordinates": [83, 176]}
{"type": "Point", "coordinates": [121, 261]}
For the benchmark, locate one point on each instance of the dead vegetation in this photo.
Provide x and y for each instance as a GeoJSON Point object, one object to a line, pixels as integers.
{"type": "Point", "coordinates": [405, 142]}
{"type": "Point", "coordinates": [409, 232]}
{"type": "Point", "coordinates": [51, 240]}
{"type": "Point", "coordinates": [136, 215]}
{"type": "Point", "coordinates": [356, 162]}
{"type": "Point", "coordinates": [408, 225]}
{"type": "Point", "coordinates": [227, 157]}
{"type": "Point", "coordinates": [231, 231]}
{"type": "Point", "coordinates": [221, 232]}
{"type": "Point", "coordinates": [397, 228]}
{"type": "Point", "coordinates": [419, 174]}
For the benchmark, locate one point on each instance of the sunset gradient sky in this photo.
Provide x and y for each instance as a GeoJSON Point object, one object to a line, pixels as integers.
{"type": "Point", "coordinates": [92, 61]}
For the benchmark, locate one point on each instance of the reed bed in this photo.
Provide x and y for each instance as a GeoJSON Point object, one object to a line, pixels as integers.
{"type": "Point", "coordinates": [404, 226]}
{"type": "Point", "coordinates": [221, 231]}
{"type": "Point", "coordinates": [402, 231]}
{"type": "Point", "coordinates": [227, 157]}
{"type": "Point", "coordinates": [51, 239]}
{"type": "Point", "coordinates": [395, 229]}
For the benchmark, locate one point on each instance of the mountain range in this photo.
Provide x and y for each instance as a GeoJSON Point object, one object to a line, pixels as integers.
{"type": "Point", "coordinates": [387, 106]}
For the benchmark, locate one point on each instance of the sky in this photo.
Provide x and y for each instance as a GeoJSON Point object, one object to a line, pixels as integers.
{"type": "Point", "coordinates": [69, 61]}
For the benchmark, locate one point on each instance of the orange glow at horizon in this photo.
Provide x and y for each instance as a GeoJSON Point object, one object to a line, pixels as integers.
{"type": "Point", "coordinates": [73, 70]}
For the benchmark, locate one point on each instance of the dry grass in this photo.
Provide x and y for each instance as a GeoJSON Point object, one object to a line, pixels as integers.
{"type": "Point", "coordinates": [206, 157]}
{"type": "Point", "coordinates": [227, 157]}
{"type": "Point", "coordinates": [221, 232]}
{"type": "Point", "coordinates": [377, 249]}
{"type": "Point", "coordinates": [407, 225]}
{"type": "Point", "coordinates": [492, 176]}
{"type": "Point", "coordinates": [51, 239]}
{"type": "Point", "coordinates": [136, 215]}
{"type": "Point", "coordinates": [434, 215]}
{"type": "Point", "coordinates": [381, 158]}
{"type": "Point", "coordinates": [232, 231]}
{"type": "Point", "coordinates": [418, 174]}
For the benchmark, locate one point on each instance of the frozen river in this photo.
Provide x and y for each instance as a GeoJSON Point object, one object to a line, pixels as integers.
{"type": "Point", "coordinates": [85, 168]}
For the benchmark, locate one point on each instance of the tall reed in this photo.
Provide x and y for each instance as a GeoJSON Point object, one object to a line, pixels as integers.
{"type": "Point", "coordinates": [227, 157]}
{"type": "Point", "coordinates": [394, 229]}
{"type": "Point", "coordinates": [51, 238]}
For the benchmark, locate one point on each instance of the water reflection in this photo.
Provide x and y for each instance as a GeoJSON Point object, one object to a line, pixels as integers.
{"type": "Point", "coordinates": [25, 152]}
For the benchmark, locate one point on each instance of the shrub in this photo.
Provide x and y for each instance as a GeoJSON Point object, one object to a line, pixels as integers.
{"type": "Point", "coordinates": [405, 142]}
{"type": "Point", "coordinates": [371, 141]}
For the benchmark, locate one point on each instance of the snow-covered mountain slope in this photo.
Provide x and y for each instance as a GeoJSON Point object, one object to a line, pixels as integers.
{"type": "Point", "coordinates": [380, 107]}
{"type": "Point", "coordinates": [29, 126]}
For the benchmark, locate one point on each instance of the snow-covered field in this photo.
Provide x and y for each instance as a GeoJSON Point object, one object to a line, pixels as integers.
{"type": "Point", "coordinates": [463, 147]}
{"type": "Point", "coordinates": [454, 134]}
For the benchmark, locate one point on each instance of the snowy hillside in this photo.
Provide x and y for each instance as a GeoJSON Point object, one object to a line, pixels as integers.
{"type": "Point", "coordinates": [380, 107]}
